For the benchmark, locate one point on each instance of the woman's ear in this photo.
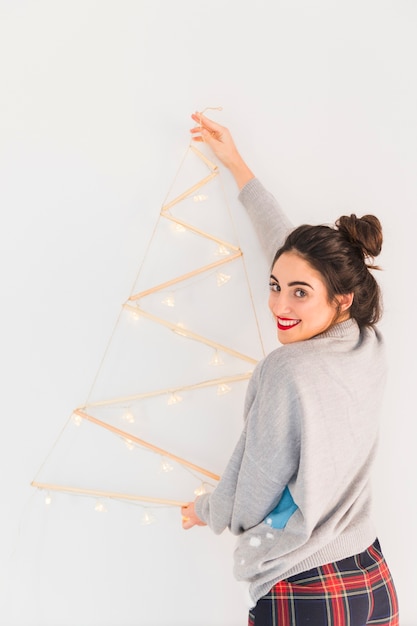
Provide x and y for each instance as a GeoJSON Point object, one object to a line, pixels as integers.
{"type": "Point", "coordinates": [345, 301]}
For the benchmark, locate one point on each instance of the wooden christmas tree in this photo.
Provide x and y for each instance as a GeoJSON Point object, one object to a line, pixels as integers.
{"type": "Point", "coordinates": [165, 407]}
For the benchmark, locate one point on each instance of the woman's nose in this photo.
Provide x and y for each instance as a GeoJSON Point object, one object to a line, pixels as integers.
{"type": "Point", "coordinates": [279, 306]}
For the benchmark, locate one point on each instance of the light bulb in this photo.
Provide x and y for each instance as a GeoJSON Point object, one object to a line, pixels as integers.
{"type": "Point", "coordinates": [77, 419]}
{"type": "Point", "coordinates": [200, 197]}
{"type": "Point", "coordinates": [129, 417]}
{"type": "Point", "coordinates": [222, 279]}
{"type": "Point", "coordinates": [203, 488]}
{"type": "Point", "coordinates": [217, 359]}
{"type": "Point", "coordinates": [222, 250]}
{"type": "Point", "coordinates": [180, 329]}
{"type": "Point", "coordinates": [169, 300]}
{"type": "Point", "coordinates": [129, 444]}
{"type": "Point", "coordinates": [147, 518]}
{"type": "Point", "coordinates": [100, 508]}
{"type": "Point", "coordinates": [178, 228]}
{"type": "Point", "coordinates": [48, 498]}
{"type": "Point", "coordinates": [174, 398]}
{"type": "Point", "coordinates": [166, 466]}
{"type": "Point", "coordinates": [223, 389]}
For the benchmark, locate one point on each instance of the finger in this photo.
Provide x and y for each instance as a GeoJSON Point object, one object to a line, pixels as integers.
{"type": "Point", "coordinates": [196, 133]}
{"type": "Point", "coordinates": [202, 120]}
{"type": "Point", "coordinates": [187, 523]}
{"type": "Point", "coordinates": [204, 134]}
{"type": "Point", "coordinates": [204, 130]}
{"type": "Point", "coordinates": [211, 137]}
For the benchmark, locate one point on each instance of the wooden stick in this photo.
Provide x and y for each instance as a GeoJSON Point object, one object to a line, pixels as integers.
{"type": "Point", "coordinates": [200, 232]}
{"type": "Point", "coordinates": [163, 392]}
{"type": "Point", "coordinates": [192, 189]}
{"type": "Point", "coordinates": [188, 333]}
{"type": "Point", "coordinates": [145, 444]}
{"type": "Point", "coordinates": [203, 157]}
{"type": "Point", "coordinates": [179, 279]}
{"type": "Point", "coordinates": [106, 494]}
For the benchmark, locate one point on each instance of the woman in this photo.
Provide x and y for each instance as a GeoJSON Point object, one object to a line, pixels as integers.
{"type": "Point", "coordinates": [297, 488]}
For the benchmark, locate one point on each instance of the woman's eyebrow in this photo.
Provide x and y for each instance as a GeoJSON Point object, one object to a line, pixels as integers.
{"type": "Point", "coordinates": [294, 282]}
{"type": "Point", "coordinates": [300, 282]}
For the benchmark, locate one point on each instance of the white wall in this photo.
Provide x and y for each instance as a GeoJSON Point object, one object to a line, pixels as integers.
{"type": "Point", "coordinates": [94, 117]}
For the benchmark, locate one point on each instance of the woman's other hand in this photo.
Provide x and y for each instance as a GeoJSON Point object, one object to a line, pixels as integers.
{"type": "Point", "coordinates": [189, 517]}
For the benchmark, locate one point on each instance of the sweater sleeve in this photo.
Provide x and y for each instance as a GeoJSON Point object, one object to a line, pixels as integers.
{"type": "Point", "coordinates": [262, 463]}
{"type": "Point", "coordinates": [216, 509]}
{"type": "Point", "coordinates": [269, 220]}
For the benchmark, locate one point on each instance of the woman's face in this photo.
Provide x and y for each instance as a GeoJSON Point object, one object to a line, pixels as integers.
{"type": "Point", "coordinates": [299, 301]}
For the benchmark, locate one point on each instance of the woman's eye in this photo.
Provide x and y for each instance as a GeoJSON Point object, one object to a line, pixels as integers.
{"type": "Point", "coordinates": [274, 287]}
{"type": "Point", "coordinates": [300, 293]}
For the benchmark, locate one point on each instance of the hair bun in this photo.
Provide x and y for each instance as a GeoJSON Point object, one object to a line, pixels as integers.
{"type": "Point", "coordinates": [364, 232]}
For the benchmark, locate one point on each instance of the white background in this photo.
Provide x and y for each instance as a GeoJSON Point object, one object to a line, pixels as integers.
{"type": "Point", "coordinates": [94, 117]}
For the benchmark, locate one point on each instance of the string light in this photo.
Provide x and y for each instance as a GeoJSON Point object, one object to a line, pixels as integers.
{"type": "Point", "coordinates": [166, 466]}
{"type": "Point", "coordinates": [48, 498]}
{"type": "Point", "coordinates": [169, 300]}
{"type": "Point", "coordinates": [174, 398]}
{"type": "Point", "coordinates": [129, 444]}
{"type": "Point", "coordinates": [99, 507]}
{"type": "Point", "coordinates": [178, 228]}
{"type": "Point", "coordinates": [128, 417]}
{"type": "Point", "coordinates": [180, 329]}
{"type": "Point", "coordinates": [222, 279]}
{"type": "Point", "coordinates": [223, 389]}
{"type": "Point", "coordinates": [134, 315]}
{"type": "Point", "coordinates": [200, 197]}
{"type": "Point", "coordinates": [203, 488]}
{"type": "Point", "coordinates": [217, 359]}
{"type": "Point", "coordinates": [77, 419]}
{"type": "Point", "coordinates": [222, 250]}
{"type": "Point", "coordinates": [147, 518]}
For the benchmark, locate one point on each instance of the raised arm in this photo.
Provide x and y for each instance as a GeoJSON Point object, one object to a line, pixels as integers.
{"type": "Point", "coordinates": [270, 222]}
{"type": "Point", "coordinates": [219, 139]}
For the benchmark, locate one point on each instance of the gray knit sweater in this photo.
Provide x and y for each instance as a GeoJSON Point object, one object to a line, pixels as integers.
{"type": "Point", "coordinates": [297, 489]}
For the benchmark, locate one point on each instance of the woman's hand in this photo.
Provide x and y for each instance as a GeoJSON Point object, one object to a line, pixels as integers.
{"type": "Point", "coordinates": [189, 517]}
{"type": "Point", "coordinates": [219, 139]}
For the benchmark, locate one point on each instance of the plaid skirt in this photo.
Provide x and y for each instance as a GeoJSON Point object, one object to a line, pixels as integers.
{"type": "Point", "coordinates": [357, 591]}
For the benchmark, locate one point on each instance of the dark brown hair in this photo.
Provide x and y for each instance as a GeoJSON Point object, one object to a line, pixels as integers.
{"type": "Point", "coordinates": [344, 255]}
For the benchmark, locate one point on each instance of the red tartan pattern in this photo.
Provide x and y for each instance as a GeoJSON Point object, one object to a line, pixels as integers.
{"type": "Point", "coordinates": [357, 591]}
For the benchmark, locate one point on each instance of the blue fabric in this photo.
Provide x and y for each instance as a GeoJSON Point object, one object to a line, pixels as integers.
{"type": "Point", "coordinates": [278, 517]}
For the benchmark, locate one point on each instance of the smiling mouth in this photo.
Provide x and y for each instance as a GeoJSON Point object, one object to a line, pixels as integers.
{"type": "Point", "coordinates": [286, 324]}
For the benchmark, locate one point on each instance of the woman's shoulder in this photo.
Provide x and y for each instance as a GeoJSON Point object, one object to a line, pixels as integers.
{"type": "Point", "coordinates": [282, 360]}
{"type": "Point", "coordinates": [342, 340]}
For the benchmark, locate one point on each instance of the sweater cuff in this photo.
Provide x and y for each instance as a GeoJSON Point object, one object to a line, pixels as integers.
{"type": "Point", "coordinates": [201, 507]}
{"type": "Point", "coordinates": [251, 190]}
